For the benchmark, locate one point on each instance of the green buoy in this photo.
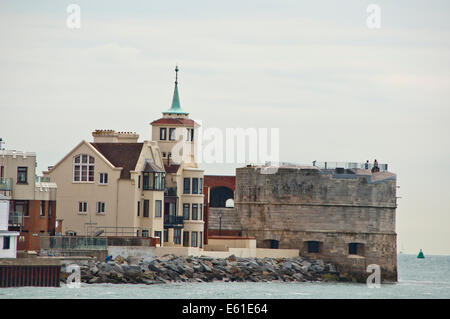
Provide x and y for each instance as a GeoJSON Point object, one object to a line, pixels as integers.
{"type": "Point", "coordinates": [420, 255]}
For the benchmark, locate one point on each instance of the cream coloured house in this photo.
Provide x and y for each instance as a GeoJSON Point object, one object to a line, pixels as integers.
{"type": "Point", "coordinates": [115, 186]}
{"type": "Point", "coordinates": [112, 186]}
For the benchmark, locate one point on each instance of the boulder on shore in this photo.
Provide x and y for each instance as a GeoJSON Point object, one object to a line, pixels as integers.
{"type": "Point", "coordinates": [170, 268]}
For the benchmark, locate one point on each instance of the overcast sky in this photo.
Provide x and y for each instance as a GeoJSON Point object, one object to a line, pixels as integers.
{"type": "Point", "coordinates": [337, 90]}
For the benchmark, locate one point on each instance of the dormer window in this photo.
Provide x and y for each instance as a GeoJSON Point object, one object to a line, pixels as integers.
{"type": "Point", "coordinates": [83, 168]}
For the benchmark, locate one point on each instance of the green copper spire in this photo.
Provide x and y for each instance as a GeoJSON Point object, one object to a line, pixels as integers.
{"type": "Point", "coordinates": [176, 107]}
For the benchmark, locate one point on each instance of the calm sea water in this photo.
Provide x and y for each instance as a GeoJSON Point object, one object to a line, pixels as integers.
{"type": "Point", "coordinates": [418, 278]}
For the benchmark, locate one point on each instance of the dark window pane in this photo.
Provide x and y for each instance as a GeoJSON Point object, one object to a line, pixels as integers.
{"type": "Point", "coordinates": [353, 249]}
{"type": "Point", "coordinates": [158, 208]}
{"type": "Point", "coordinates": [22, 174]}
{"type": "Point", "coordinates": [313, 247]}
{"type": "Point", "coordinates": [185, 238]}
{"type": "Point", "coordinates": [186, 211]}
{"type": "Point", "coordinates": [195, 186]}
{"type": "Point", "coordinates": [172, 134]}
{"type": "Point", "coordinates": [146, 207]}
{"type": "Point", "coordinates": [187, 186]}
{"type": "Point", "coordinates": [6, 242]}
{"type": "Point", "coordinates": [162, 133]}
{"type": "Point", "coordinates": [194, 211]}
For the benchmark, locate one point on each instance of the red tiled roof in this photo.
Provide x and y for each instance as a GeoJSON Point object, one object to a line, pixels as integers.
{"type": "Point", "coordinates": [171, 168]}
{"type": "Point", "coordinates": [123, 155]}
{"type": "Point", "coordinates": [174, 121]}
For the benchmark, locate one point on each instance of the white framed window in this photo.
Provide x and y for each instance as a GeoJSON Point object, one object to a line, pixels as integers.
{"type": "Point", "coordinates": [100, 207]}
{"type": "Point", "coordinates": [162, 133]}
{"type": "Point", "coordinates": [158, 208]}
{"type": "Point", "coordinates": [83, 168]}
{"type": "Point", "coordinates": [144, 233]}
{"type": "Point", "coordinates": [194, 235]}
{"type": "Point", "coordinates": [190, 134]}
{"type": "Point", "coordinates": [82, 207]}
{"type": "Point", "coordinates": [103, 178]}
{"type": "Point", "coordinates": [172, 131]}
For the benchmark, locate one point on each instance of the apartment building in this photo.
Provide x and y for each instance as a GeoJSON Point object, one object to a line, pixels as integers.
{"type": "Point", "coordinates": [32, 199]}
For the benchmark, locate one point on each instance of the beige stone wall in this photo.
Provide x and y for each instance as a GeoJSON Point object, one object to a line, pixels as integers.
{"type": "Point", "coordinates": [294, 206]}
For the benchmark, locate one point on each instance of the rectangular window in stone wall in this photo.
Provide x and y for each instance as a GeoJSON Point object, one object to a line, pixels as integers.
{"type": "Point", "coordinates": [194, 185]}
{"type": "Point", "coordinates": [177, 236]}
{"type": "Point", "coordinates": [194, 212]}
{"type": "Point", "coordinates": [158, 208]}
{"type": "Point", "coordinates": [186, 211]}
{"type": "Point", "coordinates": [187, 186]}
{"type": "Point", "coordinates": [313, 246]}
{"type": "Point", "coordinates": [185, 239]}
{"type": "Point", "coordinates": [356, 249]}
{"type": "Point", "coordinates": [146, 207]}
{"type": "Point", "coordinates": [194, 239]}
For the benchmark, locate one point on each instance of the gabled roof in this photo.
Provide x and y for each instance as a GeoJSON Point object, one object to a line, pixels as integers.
{"type": "Point", "coordinates": [123, 155]}
{"type": "Point", "coordinates": [75, 148]}
{"type": "Point", "coordinates": [152, 168]}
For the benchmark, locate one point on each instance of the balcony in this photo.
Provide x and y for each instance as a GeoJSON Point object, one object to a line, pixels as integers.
{"type": "Point", "coordinates": [173, 221]}
{"type": "Point", "coordinates": [5, 184]}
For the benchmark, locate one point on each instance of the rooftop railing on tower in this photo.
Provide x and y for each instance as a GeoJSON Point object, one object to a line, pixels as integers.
{"type": "Point", "coordinates": [348, 165]}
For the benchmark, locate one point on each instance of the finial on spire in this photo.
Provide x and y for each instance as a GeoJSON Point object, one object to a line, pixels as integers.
{"type": "Point", "coordinates": [176, 107]}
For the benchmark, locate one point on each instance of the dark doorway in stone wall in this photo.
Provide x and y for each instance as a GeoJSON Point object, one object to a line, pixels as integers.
{"type": "Point", "coordinates": [274, 244]}
{"type": "Point", "coordinates": [219, 195]}
{"type": "Point", "coordinates": [270, 243]}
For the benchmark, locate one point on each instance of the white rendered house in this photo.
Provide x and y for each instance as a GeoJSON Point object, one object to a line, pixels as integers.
{"type": "Point", "coordinates": [8, 239]}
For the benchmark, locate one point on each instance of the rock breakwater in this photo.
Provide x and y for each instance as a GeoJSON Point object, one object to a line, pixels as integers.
{"type": "Point", "coordinates": [170, 268]}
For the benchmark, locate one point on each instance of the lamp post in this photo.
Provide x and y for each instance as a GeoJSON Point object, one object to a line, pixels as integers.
{"type": "Point", "coordinates": [220, 222]}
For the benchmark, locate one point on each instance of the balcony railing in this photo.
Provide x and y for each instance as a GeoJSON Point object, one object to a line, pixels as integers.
{"type": "Point", "coordinates": [172, 220]}
{"type": "Point", "coordinates": [5, 184]}
{"type": "Point", "coordinates": [42, 179]}
{"type": "Point", "coordinates": [73, 243]}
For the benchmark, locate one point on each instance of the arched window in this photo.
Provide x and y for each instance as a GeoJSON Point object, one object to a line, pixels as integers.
{"type": "Point", "coordinates": [83, 168]}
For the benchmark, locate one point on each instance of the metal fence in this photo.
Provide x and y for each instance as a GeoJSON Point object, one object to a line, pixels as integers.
{"type": "Point", "coordinates": [348, 165]}
{"type": "Point", "coordinates": [95, 231]}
